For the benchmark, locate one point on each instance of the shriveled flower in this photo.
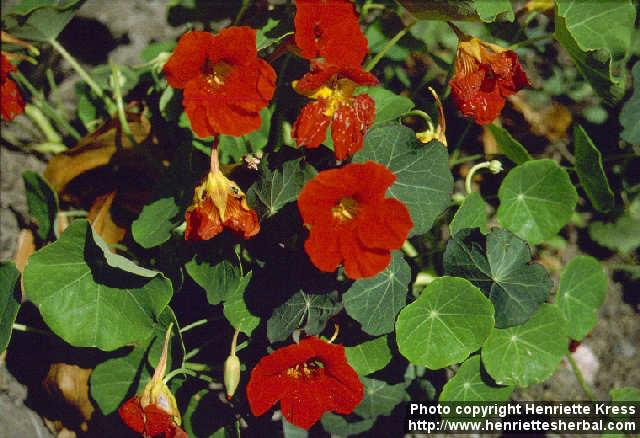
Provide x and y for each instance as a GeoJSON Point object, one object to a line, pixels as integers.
{"type": "Point", "coordinates": [219, 203]}
{"type": "Point", "coordinates": [350, 221]}
{"type": "Point", "coordinates": [349, 116]}
{"type": "Point", "coordinates": [329, 29]}
{"type": "Point", "coordinates": [435, 132]}
{"type": "Point", "coordinates": [225, 83]}
{"type": "Point", "coordinates": [12, 102]}
{"type": "Point", "coordinates": [484, 75]}
{"type": "Point", "coordinates": [308, 378]}
{"type": "Point", "coordinates": [154, 412]}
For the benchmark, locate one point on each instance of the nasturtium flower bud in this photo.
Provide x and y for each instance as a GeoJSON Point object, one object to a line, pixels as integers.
{"type": "Point", "coordinates": [231, 375]}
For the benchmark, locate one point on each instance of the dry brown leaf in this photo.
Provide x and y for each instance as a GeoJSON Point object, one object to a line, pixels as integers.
{"type": "Point", "coordinates": [70, 383]}
{"type": "Point", "coordinates": [100, 217]}
{"type": "Point", "coordinates": [25, 247]}
{"type": "Point", "coordinates": [552, 121]}
{"type": "Point", "coordinates": [95, 150]}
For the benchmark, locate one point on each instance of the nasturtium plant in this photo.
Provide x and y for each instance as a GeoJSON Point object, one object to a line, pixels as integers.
{"type": "Point", "coordinates": [290, 218]}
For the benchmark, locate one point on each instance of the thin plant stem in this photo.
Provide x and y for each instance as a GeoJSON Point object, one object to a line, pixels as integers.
{"type": "Point", "coordinates": [472, 171]}
{"type": "Point", "coordinates": [529, 42]}
{"type": "Point", "coordinates": [392, 42]}
{"type": "Point", "coordinates": [580, 378]}
{"type": "Point", "coordinates": [37, 117]}
{"type": "Point", "coordinates": [193, 325]}
{"type": "Point", "coordinates": [117, 95]}
{"type": "Point", "coordinates": [83, 74]}
{"type": "Point", "coordinates": [466, 159]}
{"type": "Point", "coordinates": [188, 372]}
{"type": "Point", "coordinates": [234, 342]}
{"type": "Point", "coordinates": [28, 329]}
{"type": "Point", "coordinates": [40, 101]}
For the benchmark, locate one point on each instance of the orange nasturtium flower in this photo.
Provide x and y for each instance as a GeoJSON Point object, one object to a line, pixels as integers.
{"type": "Point", "coordinates": [349, 116]}
{"type": "Point", "coordinates": [225, 83]}
{"type": "Point", "coordinates": [484, 75]}
{"type": "Point", "coordinates": [11, 101]}
{"type": "Point", "coordinates": [308, 378]}
{"type": "Point", "coordinates": [350, 221]}
{"type": "Point", "coordinates": [154, 412]}
{"type": "Point", "coordinates": [329, 29]}
{"type": "Point", "coordinates": [219, 203]}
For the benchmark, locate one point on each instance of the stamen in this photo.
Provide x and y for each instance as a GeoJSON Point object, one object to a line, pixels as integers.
{"type": "Point", "coordinates": [345, 210]}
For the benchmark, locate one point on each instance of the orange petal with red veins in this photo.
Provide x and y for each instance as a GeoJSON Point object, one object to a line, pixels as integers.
{"type": "Point", "coordinates": [239, 220]}
{"type": "Point", "coordinates": [203, 222]}
{"type": "Point", "coordinates": [310, 128]}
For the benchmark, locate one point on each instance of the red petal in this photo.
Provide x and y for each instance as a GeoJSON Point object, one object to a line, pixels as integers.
{"type": "Point", "coordinates": [11, 100]}
{"type": "Point", "coordinates": [350, 123]}
{"type": "Point", "coordinates": [266, 83]}
{"type": "Point", "coordinates": [234, 45]}
{"type": "Point", "coordinates": [203, 222]}
{"type": "Point", "coordinates": [322, 248]}
{"type": "Point", "coordinates": [239, 220]}
{"type": "Point", "coordinates": [132, 415]}
{"type": "Point", "coordinates": [188, 58]}
{"type": "Point", "coordinates": [384, 225]}
{"type": "Point", "coordinates": [359, 261]}
{"type": "Point", "coordinates": [476, 97]}
{"type": "Point", "coordinates": [157, 421]}
{"type": "Point", "coordinates": [310, 127]}
{"type": "Point", "coordinates": [321, 73]}
{"type": "Point", "coordinates": [305, 402]}
{"type": "Point", "coordinates": [263, 390]}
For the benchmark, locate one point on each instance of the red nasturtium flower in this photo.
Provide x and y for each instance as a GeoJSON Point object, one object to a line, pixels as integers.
{"type": "Point", "coordinates": [350, 220]}
{"type": "Point", "coordinates": [219, 203]}
{"type": "Point", "coordinates": [154, 412]}
{"type": "Point", "coordinates": [329, 29]}
{"type": "Point", "coordinates": [225, 83]}
{"type": "Point", "coordinates": [335, 105]}
{"type": "Point", "coordinates": [308, 378]}
{"type": "Point", "coordinates": [484, 75]}
{"type": "Point", "coordinates": [11, 100]}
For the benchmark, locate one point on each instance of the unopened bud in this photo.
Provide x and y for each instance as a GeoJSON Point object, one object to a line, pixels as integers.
{"type": "Point", "coordinates": [231, 375]}
{"type": "Point", "coordinates": [495, 166]}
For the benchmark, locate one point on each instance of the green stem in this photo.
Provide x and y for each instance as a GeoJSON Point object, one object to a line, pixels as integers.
{"type": "Point", "coordinates": [392, 42]}
{"type": "Point", "coordinates": [529, 42]}
{"type": "Point", "coordinates": [83, 74]}
{"type": "Point", "coordinates": [188, 372]}
{"type": "Point", "coordinates": [457, 161]}
{"type": "Point", "coordinates": [38, 98]}
{"type": "Point", "coordinates": [193, 325]}
{"type": "Point", "coordinates": [583, 384]}
{"type": "Point", "coordinates": [29, 329]}
{"type": "Point", "coordinates": [117, 95]}
{"type": "Point", "coordinates": [474, 169]}
{"type": "Point", "coordinates": [419, 113]}
{"type": "Point", "coordinates": [197, 367]}
{"type": "Point", "coordinates": [36, 116]}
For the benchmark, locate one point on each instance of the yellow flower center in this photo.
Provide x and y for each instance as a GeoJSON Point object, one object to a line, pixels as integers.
{"type": "Point", "coordinates": [306, 370]}
{"type": "Point", "coordinates": [215, 74]}
{"type": "Point", "coordinates": [335, 92]}
{"type": "Point", "coordinates": [345, 210]}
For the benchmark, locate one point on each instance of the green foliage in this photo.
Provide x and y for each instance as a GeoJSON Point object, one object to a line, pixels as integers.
{"type": "Point", "coordinates": [312, 310]}
{"type": "Point", "coordinates": [622, 235]}
{"type": "Point", "coordinates": [374, 302]}
{"type": "Point", "coordinates": [511, 147]}
{"type": "Point", "coordinates": [156, 222]}
{"type": "Point", "coordinates": [424, 182]}
{"type": "Point", "coordinates": [471, 383]}
{"type": "Point", "coordinates": [590, 171]}
{"type": "Point", "coordinates": [389, 106]}
{"type": "Point", "coordinates": [494, 10]}
{"type": "Point", "coordinates": [536, 200]}
{"type": "Point", "coordinates": [39, 20]}
{"type": "Point", "coordinates": [9, 301]}
{"type": "Point", "coordinates": [336, 424]}
{"type": "Point", "coordinates": [471, 214]}
{"type": "Point", "coordinates": [534, 349]}
{"type": "Point", "coordinates": [379, 398]}
{"type": "Point", "coordinates": [582, 290]}
{"type": "Point", "coordinates": [629, 116]}
{"type": "Point", "coordinates": [450, 319]}
{"type": "Point", "coordinates": [502, 271]}
{"type": "Point", "coordinates": [218, 280]}
{"type": "Point", "coordinates": [277, 188]}
{"type": "Point", "coordinates": [597, 35]}
{"type": "Point", "coordinates": [42, 202]}
{"type": "Point", "coordinates": [235, 308]}
{"type": "Point", "coordinates": [91, 297]}
{"type": "Point", "coordinates": [370, 356]}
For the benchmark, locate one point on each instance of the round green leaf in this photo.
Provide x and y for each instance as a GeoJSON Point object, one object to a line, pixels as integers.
{"type": "Point", "coordinates": [527, 353]}
{"type": "Point", "coordinates": [156, 221]}
{"type": "Point", "coordinates": [91, 297]}
{"type": "Point", "coordinates": [374, 302]}
{"type": "Point", "coordinates": [472, 384]}
{"type": "Point", "coordinates": [622, 235]}
{"type": "Point", "coordinates": [536, 200]}
{"type": "Point", "coordinates": [389, 106]}
{"type": "Point", "coordinates": [511, 147]}
{"type": "Point", "coordinates": [471, 214]}
{"type": "Point", "coordinates": [631, 109]}
{"type": "Point", "coordinates": [516, 286]}
{"type": "Point", "coordinates": [448, 321]}
{"type": "Point", "coordinates": [235, 308]}
{"type": "Point", "coordinates": [9, 301]}
{"type": "Point", "coordinates": [424, 182]}
{"type": "Point", "coordinates": [491, 10]}
{"type": "Point", "coordinates": [583, 287]}
{"type": "Point", "coordinates": [590, 171]}
{"type": "Point", "coordinates": [370, 356]}
{"type": "Point", "coordinates": [217, 280]}
{"type": "Point", "coordinates": [379, 398]}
